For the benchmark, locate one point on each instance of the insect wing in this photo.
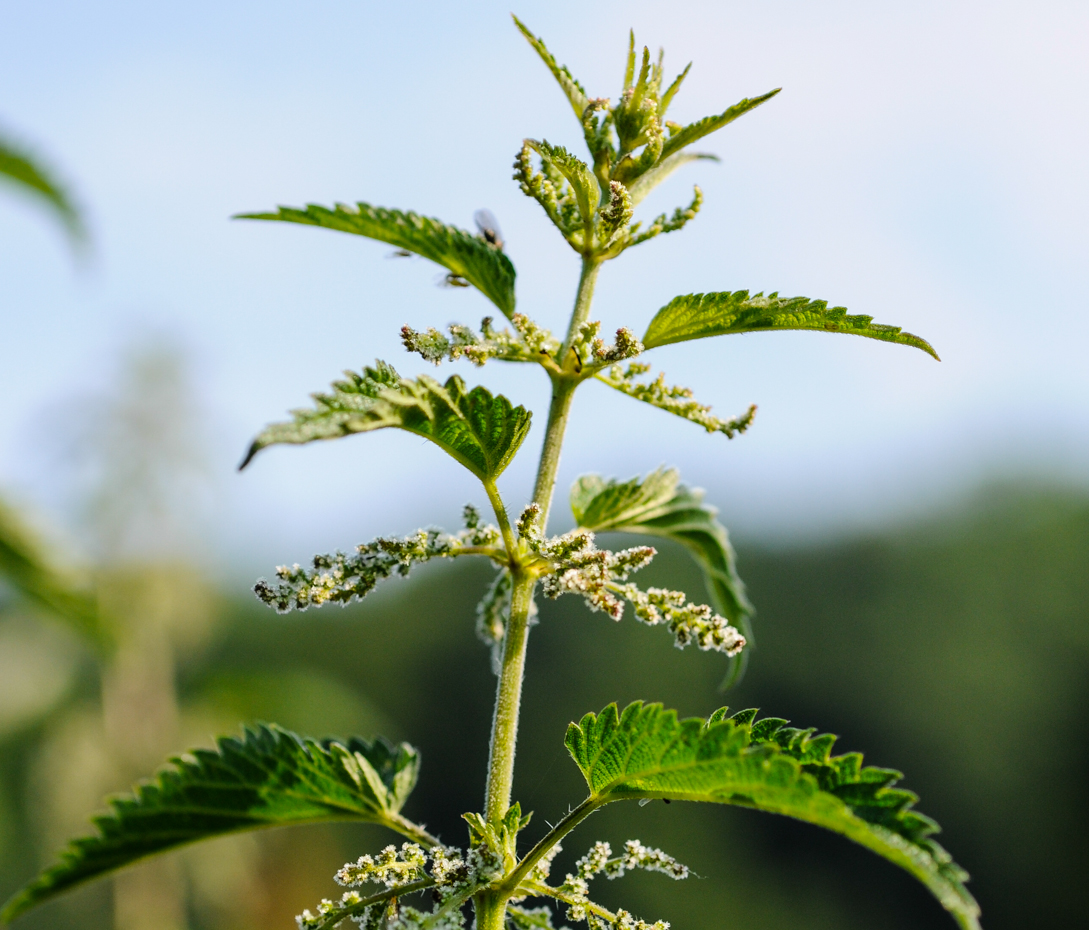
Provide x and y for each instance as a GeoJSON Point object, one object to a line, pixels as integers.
{"type": "Point", "coordinates": [488, 227]}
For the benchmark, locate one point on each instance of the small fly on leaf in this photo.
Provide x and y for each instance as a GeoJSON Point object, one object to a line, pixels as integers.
{"type": "Point", "coordinates": [488, 229]}
{"type": "Point", "coordinates": [452, 280]}
{"type": "Point", "coordinates": [400, 253]}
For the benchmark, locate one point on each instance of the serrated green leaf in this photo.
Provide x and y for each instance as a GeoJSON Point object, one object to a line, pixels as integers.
{"type": "Point", "coordinates": [659, 505]}
{"type": "Point", "coordinates": [576, 96]}
{"type": "Point", "coordinates": [698, 316]}
{"type": "Point", "coordinates": [20, 169]}
{"type": "Point", "coordinates": [480, 430]}
{"type": "Point", "coordinates": [578, 175]}
{"type": "Point", "coordinates": [269, 778]}
{"type": "Point", "coordinates": [459, 252]}
{"type": "Point", "coordinates": [671, 91]}
{"type": "Point", "coordinates": [703, 127]}
{"type": "Point", "coordinates": [646, 752]}
{"type": "Point", "coordinates": [25, 567]}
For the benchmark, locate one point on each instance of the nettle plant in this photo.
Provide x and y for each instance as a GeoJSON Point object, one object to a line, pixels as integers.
{"type": "Point", "coordinates": [270, 777]}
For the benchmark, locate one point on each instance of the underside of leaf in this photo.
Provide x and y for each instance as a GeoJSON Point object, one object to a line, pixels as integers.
{"type": "Point", "coordinates": [461, 253]}
{"type": "Point", "coordinates": [646, 752]}
{"type": "Point", "coordinates": [268, 778]}
{"type": "Point", "coordinates": [480, 430]}
{"type": "Point", "coordinates": [698, 316]}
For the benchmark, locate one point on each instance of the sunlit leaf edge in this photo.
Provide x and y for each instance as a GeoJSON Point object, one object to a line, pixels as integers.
{"type": "Point", "coordinates": [645, 751]}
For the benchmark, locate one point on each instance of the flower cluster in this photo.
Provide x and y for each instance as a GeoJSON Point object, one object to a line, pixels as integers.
{"type": "Point", "coordinates": [342, 578]}
{"type": "Point", "coordinates": [576, 566]}
{"type": "Point", "coordinates": [591, 349]}
{"type": "Point", "coordinates": [391, 867]}
{"type": "Point", "coordinates": [661, 224]}
{"type": "Point", "coordinates": [528, 343]}
{"type": "Point", "coordinates": [616, 214]}
{"type": "Point", "coordinates": [440, 869]}
{"type": "Point", "coordinates": [601, 861]}
{"type": "Point", "coordinates": [638, 856]}
{"type": "Point", "coordinates": [689, 623]}
{"type": "Point", "coordinates": [575, 890]}
{"type": "Point", "coordinates": [673, 399]}
{"type": "Point", "coordinates": [625, 921]}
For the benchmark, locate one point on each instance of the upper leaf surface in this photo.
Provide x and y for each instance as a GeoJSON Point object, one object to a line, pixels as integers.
{"type": "Point", "coordinates": [460, 252]}
{"type": "Point", "coordinates": [480, 430]}
{"type": "Point", "coordinates": [703, 127]}
{"type": "Point", "coordinates": [646, 752]}
{"type": "Point", "coordinates": [659, 505]}
{"type": "Point", "coordinates": [697, 316]}
{"type": "Point", "coordinates": [268, 778]}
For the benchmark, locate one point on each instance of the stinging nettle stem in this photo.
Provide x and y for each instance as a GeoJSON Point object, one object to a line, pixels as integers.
{"type": "Point", "coordinates": [509, 689]}
{"type": "Point", "coordinates": [508, 699]}
{"type": "Point", "coordinates": [563, 390]}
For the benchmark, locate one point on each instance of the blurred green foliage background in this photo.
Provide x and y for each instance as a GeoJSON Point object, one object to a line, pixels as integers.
{"type": "Point", "coordinates": [955, 649]}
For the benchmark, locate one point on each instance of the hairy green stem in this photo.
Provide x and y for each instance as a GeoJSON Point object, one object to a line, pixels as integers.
{"type": "Point", "coordinates": [491, 909]}
{"type": "Point", "coordinates": [563, 391]}
{"type": "Point", "coordinates": [583, 299]}
{"type": "Point", "coordinates": [501, 516]}
{"type": "Point", "coordinates": [491, 905]}
{"type": "Point", "coordinates": [508, 699]}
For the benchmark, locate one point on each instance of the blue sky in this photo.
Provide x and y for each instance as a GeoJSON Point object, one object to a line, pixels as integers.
{"type": "Point", "coordinates": [925, 164]}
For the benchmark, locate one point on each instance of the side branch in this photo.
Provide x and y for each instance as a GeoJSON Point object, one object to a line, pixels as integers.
{"type": "Point", "coordinates": [572, 819]}
{"type": "Point", "coordinates": [335, 915]}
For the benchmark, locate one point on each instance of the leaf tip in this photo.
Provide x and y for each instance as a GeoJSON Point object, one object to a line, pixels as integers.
{"type": "Point", "coordinates": [254, 448]}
